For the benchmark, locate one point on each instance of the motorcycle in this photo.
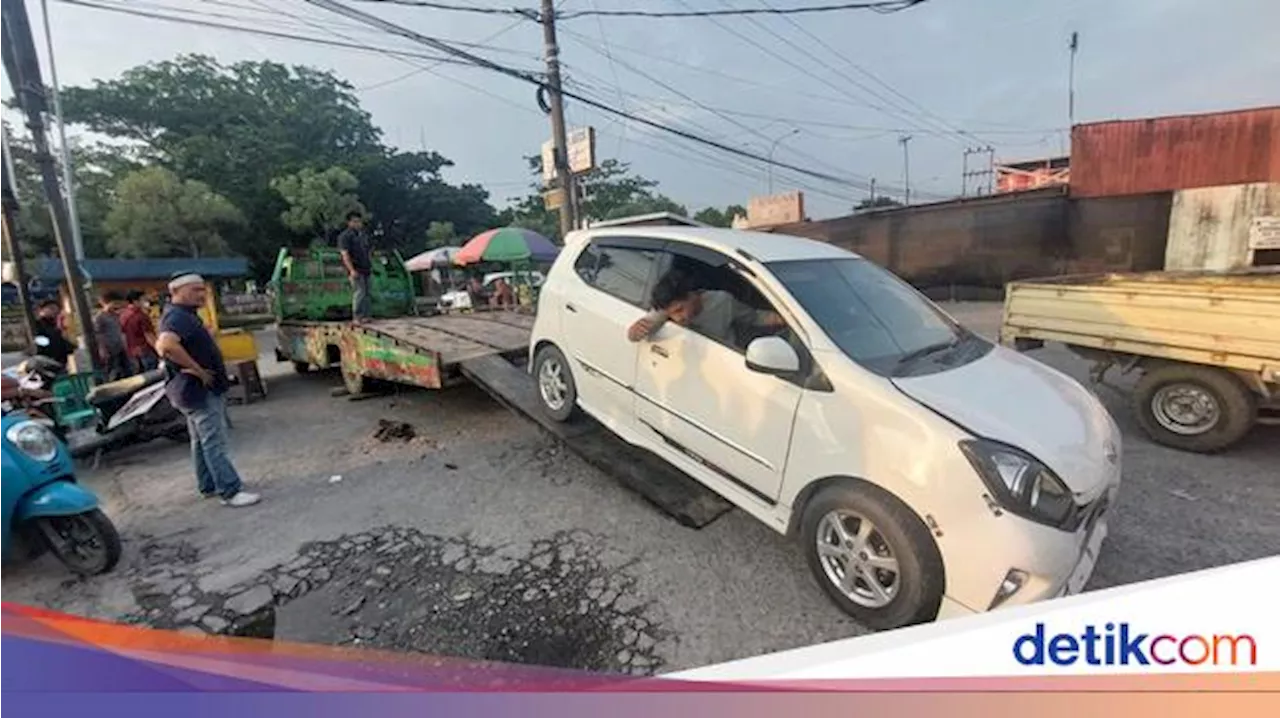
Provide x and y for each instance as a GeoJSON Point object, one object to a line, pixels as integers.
{"type": "Point", "coordinates": [133, 410]}
{"type": "Point", "coordinates": [43, 506]}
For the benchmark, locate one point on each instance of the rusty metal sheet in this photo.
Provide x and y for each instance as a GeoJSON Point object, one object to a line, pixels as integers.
{"type": "Point", "coordinates": [1169, 153]}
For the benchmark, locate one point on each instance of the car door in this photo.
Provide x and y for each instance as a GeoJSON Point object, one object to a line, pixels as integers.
{"type": "Point", "coordinates": [608, 291]}
{"type": "Point", "coordinates": [700, 399]}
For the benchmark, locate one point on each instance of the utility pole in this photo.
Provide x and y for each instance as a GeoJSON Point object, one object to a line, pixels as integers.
{"type": "Point", "coordinates": [22, 65]}
{"type": "Point", "coordinates": [68, 178]}
{"type": "Point", "coordinates": [10, 200]}
{"type": "Point", "coordinates": [873, 191]}
{"type": "Point", "coordinates": [569, 203]}
{"type": "Point", "coordinates": [1071, 80]}
{"type": "Point", "coordinates": [984, 177]}
{"type": "Point", "coordinates": [906, 168]}
{"type": "Point", "coordinates": [789, 133]}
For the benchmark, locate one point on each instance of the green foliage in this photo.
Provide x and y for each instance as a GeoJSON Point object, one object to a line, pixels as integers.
{"type": "Point", "coordinates": [881, 201]}
{"type": "Point", "coordinates": [610, 191]}
{"type": "Point", "coordinates": [441, 234]}
{"type": "Point", "coordinates": [157, 214]}
{"type": "Point", "coordinates": [720, 218]}
{"type": "Point", "coordinates": [318, 201]}
{"type": "Point", "coordinates": [237, 127]}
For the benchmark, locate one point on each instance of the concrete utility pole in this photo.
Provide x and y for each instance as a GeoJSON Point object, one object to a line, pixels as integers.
{"type": "Point", "coordinates": [789, 133]}
{"type": "Point", "coordinates": [1074, 46]}
{"type": "Point", "coordinates": [22, 65]}
{"type": "Point", "coordinates": [11, 247]}
{"type": "Point", "coordinates": [569, 203]}
{"type": "Point", "coordinates": [906, 169]}
{"type": "Point", "coordinates": [68, 178]}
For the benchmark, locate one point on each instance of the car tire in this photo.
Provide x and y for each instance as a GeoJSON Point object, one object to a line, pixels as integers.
{"type": "Point", "coordinates": [553, 380]}
{"type": "Point", "coordinates": [1194, 408]}
{"type": "Point", "coordinates": [914, 589]}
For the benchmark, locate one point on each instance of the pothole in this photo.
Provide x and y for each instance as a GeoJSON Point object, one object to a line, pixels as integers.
{"type": "Point", "coordinates": [555, 605]}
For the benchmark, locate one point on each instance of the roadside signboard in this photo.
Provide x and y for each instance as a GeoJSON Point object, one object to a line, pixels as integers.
{"type": "Point", "coordinates": [553, 199]}
{"type": "Point", "coordinates": [1264, 233]}
{"type": "Point", "coordinates": [581, 153]}
{"type": "Point", "coordinates": [773, 210]}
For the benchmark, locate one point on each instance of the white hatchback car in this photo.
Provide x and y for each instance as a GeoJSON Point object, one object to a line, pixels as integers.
{"type": "Point", "coordinates": [927, 471]}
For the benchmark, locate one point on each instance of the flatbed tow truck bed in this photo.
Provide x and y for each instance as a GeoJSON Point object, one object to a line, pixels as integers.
{"type": "Point", "coordinates": [424, 351]}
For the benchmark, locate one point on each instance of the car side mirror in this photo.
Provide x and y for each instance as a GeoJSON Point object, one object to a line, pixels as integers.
{"type": "Point", "coordinates": [772, 355]}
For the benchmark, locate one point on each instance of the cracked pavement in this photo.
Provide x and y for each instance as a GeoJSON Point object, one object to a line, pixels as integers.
{"type": "Point", "coordinates": [481, 537]}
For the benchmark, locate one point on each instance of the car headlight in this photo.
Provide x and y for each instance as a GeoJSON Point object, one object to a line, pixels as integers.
{"type": "Point", "coordinates": [1020, 483]}
{"type": "Point", "coordinates": [34, 440]}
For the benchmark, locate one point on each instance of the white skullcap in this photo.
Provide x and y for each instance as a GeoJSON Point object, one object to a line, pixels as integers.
{"type": "Point", "coordinates": [183, 280]}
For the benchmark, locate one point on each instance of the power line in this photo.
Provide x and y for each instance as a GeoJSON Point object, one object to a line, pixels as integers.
{"type": "Point", "coordinates": [886, 6]}
{"type": "Point", "coordinates": [266, 33]}
{"type": "Point", "coordinates": [527, 77]}
{"type": "Point", "coordinates": [530, 14]}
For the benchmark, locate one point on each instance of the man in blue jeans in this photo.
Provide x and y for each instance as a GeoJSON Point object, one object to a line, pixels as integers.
{"type": "Point", "coordinates": [196, 385]}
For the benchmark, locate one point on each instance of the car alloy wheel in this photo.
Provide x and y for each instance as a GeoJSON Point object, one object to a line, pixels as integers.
{"type": "Point", "coordinates": [857, 560]}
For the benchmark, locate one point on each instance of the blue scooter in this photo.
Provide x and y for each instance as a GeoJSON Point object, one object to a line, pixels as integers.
{"type": "Point", "coordinates": [44, 507]}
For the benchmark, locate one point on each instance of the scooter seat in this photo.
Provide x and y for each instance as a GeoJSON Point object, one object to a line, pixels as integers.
{"type": "Point", "coordinates": [104, 393]}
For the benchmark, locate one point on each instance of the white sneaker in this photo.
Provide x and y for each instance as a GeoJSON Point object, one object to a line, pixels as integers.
{"type": "Point", "coordinates": [241, 499]}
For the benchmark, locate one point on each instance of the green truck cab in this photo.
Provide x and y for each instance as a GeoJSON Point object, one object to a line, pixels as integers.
{"type": "Point", "coordinates": [312, 285]}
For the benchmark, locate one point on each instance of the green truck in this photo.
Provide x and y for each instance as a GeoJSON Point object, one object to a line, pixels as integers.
{"type": "Point", "coordinates": [312, 305]}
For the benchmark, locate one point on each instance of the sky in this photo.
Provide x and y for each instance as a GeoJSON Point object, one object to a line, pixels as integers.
{"type": "Point", "coordinates": [833, 92]}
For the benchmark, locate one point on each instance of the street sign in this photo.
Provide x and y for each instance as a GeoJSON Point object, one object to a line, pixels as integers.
{"type": "Point", "coordinates": [581, 153]}
{"type": "Point", "coordinates": [553, 199]}
{"type": "Point", "coordinates": [775, 209]}
{"type": "Point", "coordinates": [1264, 233]}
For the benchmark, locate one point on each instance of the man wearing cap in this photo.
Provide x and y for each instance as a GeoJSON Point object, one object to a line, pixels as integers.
{"type": "Point", "coordinates": [196, 384]}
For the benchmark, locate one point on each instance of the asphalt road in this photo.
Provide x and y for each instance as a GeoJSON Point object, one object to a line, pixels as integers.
{"type": "Point", "coordinates": [481, 537]}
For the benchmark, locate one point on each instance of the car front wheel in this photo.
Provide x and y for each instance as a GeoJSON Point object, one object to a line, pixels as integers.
{"type": "Point", "coordinates": [556, 390]}
{"type": "Point", "coordinates": [873, 556]}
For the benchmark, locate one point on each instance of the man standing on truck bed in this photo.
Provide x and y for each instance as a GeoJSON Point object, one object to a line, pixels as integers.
{"type": "Point", "coordinates": [354, 245]}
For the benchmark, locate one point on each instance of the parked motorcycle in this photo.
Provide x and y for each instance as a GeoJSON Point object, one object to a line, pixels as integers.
{"type": "Point", "coordinates": [133, 410]}
{"type": "Point", "coordinates": [43, 506]}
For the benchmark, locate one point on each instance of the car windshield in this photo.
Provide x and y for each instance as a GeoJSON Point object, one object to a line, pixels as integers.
{"type": "Point", "coordinates": [874, 317]}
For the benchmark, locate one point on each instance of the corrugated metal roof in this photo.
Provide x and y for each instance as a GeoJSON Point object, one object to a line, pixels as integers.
{"type": "Point", "coordinates": [1162, 154]}
{"type": "Point", "coordinates": [50, 270]}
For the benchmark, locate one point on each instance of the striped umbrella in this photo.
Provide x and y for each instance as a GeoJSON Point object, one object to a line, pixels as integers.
{"type": "Point", "coordinates": [507, 244]}
{"type": "Point", "coordinates": [432, 259]}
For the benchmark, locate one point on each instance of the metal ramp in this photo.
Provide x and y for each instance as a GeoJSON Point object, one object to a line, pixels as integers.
{"type": "Point", "coordinates": [680, 496]}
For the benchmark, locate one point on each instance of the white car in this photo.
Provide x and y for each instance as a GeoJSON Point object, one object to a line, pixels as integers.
{"type": "Point", "coordinates": [461, 298]}
{"type": "Point", "coordinates": [927, 472]}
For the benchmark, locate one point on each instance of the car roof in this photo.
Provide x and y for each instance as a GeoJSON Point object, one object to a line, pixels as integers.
{"type": "Point", "coordinates": [763, 246]}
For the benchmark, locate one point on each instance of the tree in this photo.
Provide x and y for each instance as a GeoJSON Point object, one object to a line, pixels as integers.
{"type": "Point", "coordinates": [318, 201]}
{"type": "Point", "coordinates": [720, 218]}
{"type": "Point", "coordinates": [877, 202]}
{"type": "Point", "coordinates": [441, 234]}
{"type": "Point", "coordinates": [237, 127]}
{"type": "Point", "coordinates": [610, 191]}
{"type": "Point", "coordinates": [157, 214]}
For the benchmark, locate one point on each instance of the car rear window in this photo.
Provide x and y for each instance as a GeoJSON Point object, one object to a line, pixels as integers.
{"type": "Point", "coordinates": [622, 272]}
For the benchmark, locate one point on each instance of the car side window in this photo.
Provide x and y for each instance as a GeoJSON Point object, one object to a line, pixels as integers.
{"type": "Point", "coordinates": [620, 271]}
{"type": "Point", "coordinates": [733, 312]}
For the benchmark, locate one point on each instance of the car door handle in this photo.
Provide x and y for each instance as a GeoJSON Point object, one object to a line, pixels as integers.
{"type": "Point", "coordinates": [570, 308]}
{"type": "Point", "coordinates": [660, 351]}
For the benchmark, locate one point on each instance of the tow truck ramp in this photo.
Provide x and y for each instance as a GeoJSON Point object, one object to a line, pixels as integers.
{"type": "Point", "coordinates": [680, 496]}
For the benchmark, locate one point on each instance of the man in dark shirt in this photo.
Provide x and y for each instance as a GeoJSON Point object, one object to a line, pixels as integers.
{"type": "Point", "coordinates": [58, 348]}
{"type": "Point", "coordinates": [354, 245]}
{"type": "Point", "coordinates": [112, 351]}
{"type": "Point", "coordinates": [195, 387]}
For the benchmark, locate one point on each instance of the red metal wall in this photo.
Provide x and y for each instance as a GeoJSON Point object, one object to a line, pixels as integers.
{"type": "Point", "coordinates": [1170, 153]}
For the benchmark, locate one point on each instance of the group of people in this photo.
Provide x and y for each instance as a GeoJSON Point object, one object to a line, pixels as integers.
{"type": "Point", "coordinates": [196, 377]}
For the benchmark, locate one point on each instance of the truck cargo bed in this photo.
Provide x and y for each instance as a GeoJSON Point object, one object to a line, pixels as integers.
{"type": "Point", "coordinates": [1227, 319]}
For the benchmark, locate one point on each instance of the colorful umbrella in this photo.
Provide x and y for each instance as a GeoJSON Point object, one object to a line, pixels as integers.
{"type": "Point", "coordinates": [507, 244]}
{"type": "Point", "coordinates": [432, 259]}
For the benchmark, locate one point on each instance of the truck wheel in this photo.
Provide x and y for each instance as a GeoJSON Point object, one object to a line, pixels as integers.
{"type": "Point", "coordinates": [1194, 408]}
{"type": "Point", "coordinates": [556, 391]}
{"type": "Point", "coordinates": [873, 556]}
{"type": "Point", "coordinates": [302, 367]}
{"type": "Point", "coordinates": [86, 543]}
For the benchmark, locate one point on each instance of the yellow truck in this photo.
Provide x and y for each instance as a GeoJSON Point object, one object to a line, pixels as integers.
{"type": "Point", "coordinates": [1206, 344]}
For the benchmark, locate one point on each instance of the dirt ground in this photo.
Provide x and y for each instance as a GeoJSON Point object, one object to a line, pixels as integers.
{"type": "Point", "coordinates": [479, 536]}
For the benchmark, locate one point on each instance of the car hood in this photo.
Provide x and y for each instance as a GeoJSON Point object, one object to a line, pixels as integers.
{"type": "Point", "coordinates": [1007, 397]}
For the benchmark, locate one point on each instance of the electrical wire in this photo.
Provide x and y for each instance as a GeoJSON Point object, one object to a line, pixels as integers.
{"type": "Point", "coordinates": [885, 6]}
